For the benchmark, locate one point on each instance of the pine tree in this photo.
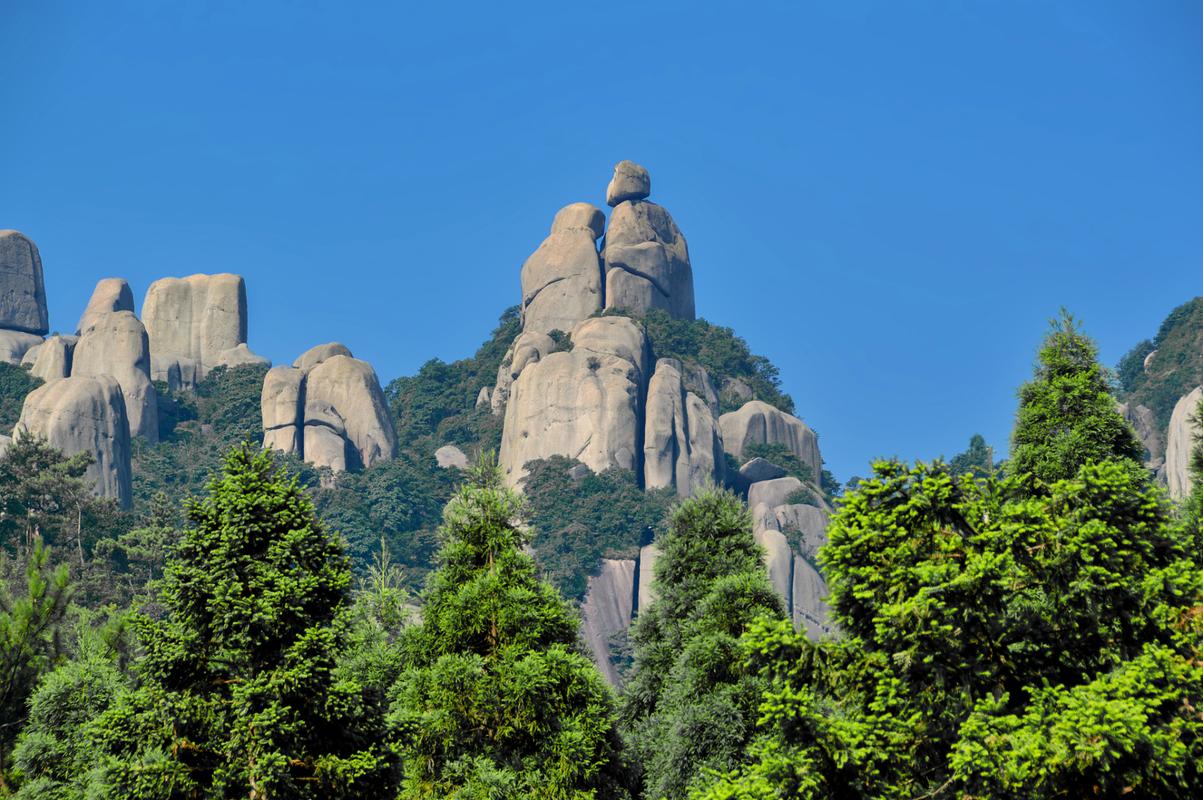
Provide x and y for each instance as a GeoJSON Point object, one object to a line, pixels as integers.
{"type": "Point", "coordinates": [690, 706]}
{"type": "Point", "coordinates": [237, 694]}
{"type": "Point", "coordinates": [1067, 414]}
{"type": "Point", "coordinates": [497, 700]}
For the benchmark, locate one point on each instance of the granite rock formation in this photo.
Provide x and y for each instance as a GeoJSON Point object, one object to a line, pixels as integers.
{"type": "Point", "coordinates": [586, 403]}
{"type": "Point", "coordinates": [682, 448]}
{"type": "Point", "coordinates": [1180, 440]}
{"type": "Point", "coordinates": [608, 610]}
{"type": "Point", "coordinates": [562, 279]}
{"type": "Point", "coordinates": [84, 414]}
{"type": "Point", "coordinates": [110, 294]}
{"type": "Point", "coordinates": [22, 289]}
{"type": "Point", "coordinates": [115, 344]}
{"type": "Point", "coordinates": [757, 422]}
{"type": "Point", "coordinates": [195, 324]}
{"type": "Point", "coordinates": [330, 411]}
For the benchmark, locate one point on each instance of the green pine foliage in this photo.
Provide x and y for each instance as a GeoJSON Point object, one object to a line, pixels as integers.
{"type": "Point", "coordinates": [579, 521]}
{"type": "Point", "coordinates": [1001, 637]}
{"type": "Point", "coordinates": [722, 353]}
{"type": "Point", "coordinates": [1067, 415]}
{"type": "Point", "coordinates": [690, 705]}
{"type": "Point", "coordinates": [977, 460]}
{"type": "Point", "coordinates": [15, 384]}
{"type": "Point", "coordinates": [1174, 371]}
{"type": "Point", "coordinates": [237, 694]}
{"type": "Point", "coordinates": [497, 699]}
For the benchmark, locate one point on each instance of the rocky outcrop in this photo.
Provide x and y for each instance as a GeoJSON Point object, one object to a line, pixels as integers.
{"type": "Point", "coordinates": [1180, 440]}
{"type": "Point", "coordinates": [773, 493]}
{"type": "Point", "coordinates": [332, 413]}
{"type": "Point", "coordinates": [681, 444]}
{"type": "Point", "coordinates": [630, 182]}
{"type": "Point", "coordinates": [778, 560]}
{"type": "Point", "coordinates": [585, 403]}
{"type": "Point", "coordinates": [1144, 422]}
{"type": "Point", "coordinates": [760, 469]}
{"type": "Point", "coordinates": [84, 414]}
{"type": "Point", "coordinates": [195, 324]}
{"type": "Point", "coordinates": [115, 344]}
{"type": "Point", "coordinates": [607, 611]}
{"type": "Point", "coordinates": [646, 261]}
{"type": "Point", "coordinates": [649, 554]}
{"type": "Point", "coordinates": [528, 348]}
{"type": "Point", "coordinates": [15, 344]}
{"type": "Point", "coordinates": [110, 294]}
{"type": "Point", "coordinates": [757, 422]}
{"type": "Point", "coordinates": [562, 279]}
{"type": "Point", "coordinates": [22, 289]}
{"type": "Point", "coordinates": [450, 457]}
{"type": "Point", "coordinates": [808, 602]}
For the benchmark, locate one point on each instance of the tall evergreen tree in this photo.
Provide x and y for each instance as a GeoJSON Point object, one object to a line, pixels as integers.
{"type": "Point", "coordinates": [1067, 414]}
{"type": "Point", "coordinates": [237, 696]}
{"type": "Point", "coordinates": [497, 700]}
{"type": "Point", "coordinates": [690, 705]}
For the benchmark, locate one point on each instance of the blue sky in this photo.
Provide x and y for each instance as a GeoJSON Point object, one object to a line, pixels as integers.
{"type": "Point", "coordinates": [888, 199]}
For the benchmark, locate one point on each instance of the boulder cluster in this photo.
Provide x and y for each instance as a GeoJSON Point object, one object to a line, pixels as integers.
{"type": "Point", "coordinates": [98, 390]}
{"type": "Point", "coordinates": [329, 409]}
{"type": "Point", "coordinates": [581, 381]}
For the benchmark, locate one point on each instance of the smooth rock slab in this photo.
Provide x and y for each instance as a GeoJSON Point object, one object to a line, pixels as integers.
{"type": "Point", "coordinates": [681, 444]}
{"type": "Point", "coordinates": [1180, 440]}
{"type": "Point", "coordinates": [607, 611]}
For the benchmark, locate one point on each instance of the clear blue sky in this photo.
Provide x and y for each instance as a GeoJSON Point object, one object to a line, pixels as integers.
{"type": "Point", "coordinates": [888, 199]}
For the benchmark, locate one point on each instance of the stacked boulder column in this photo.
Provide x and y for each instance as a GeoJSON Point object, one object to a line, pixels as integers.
{"type": "Point", "coordinates": [23, 316]}
{"type": "Point", "coordinates": [195, 324]}
{"type": "Point", "coordinates": [646, 258]}
{"type": "Point", "coordinates": [329, 409]}
{"type": "Point", "coordinates": [597, 396]}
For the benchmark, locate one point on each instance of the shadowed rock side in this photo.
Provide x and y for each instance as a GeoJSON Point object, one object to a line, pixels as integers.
{"type": "Point", "coordinates": [586, 403]}
{"type": "Point", "coordinates": [329, 410]}
{"type": "Point", "coordinates": [195, 324]}
{"type": "Point", "coordinates": [682, 448]}
{"type": "Point", "coordinates": [85, 414]}
{"type": "Point", "coordinates": [51, 360]}
{"type": "Point", "coordinates": [1144, 422]}
{"type": "Point", "coordinates": [110, 294]}
{"type": "Point", "coordinates": [1180, 440]}
{"type": "Point", "coordinates": [562, 280]}
{"type": "Point", "coordinates": [115, 344]}
{"type": "Point", "coordinates": [607, 611]}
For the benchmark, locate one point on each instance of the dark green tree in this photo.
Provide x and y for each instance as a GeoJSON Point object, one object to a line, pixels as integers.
{"type": "Point", "coordinates": [1067, 415]}
{"type": "Point", "coordinates": [237, 696]}
{"type": "Point", "coordinates": [497, 699]}
{"type": "Point", "coordinates": [977, 460]}
{"type": "Point", "coordinates": [31, 618]}
{"type": "Point", "coordinates": [691, 704]}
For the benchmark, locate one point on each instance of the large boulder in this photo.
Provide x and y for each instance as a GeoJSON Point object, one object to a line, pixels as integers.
{"type": "Point", "coordinates": [646, 261]}
{"type": "Point", "coordinates": [115, 344]}
{"type": "Point", "coordinates": [332, 413]}
{"type": "Point", "coordinates": [630, 182]}
{"type": "Point", "coordinates": [15, 344]}
{"type": "Point", "coordinates": [527, 348]}
{"type": "Point", "coordinates": [451, 457]}
{"type": "Point", "coordinates": [1180, 440]}
{"type": "Point", "coordinates": [778, 561]}
{"type": "Point", "coordinates": [757, 422]}
{"type": "Point", "coordinates": [773, 493]}
{"type": "Point", "coordinates": [681, 444]}
{"type": "Point", "coordinates": [607, 611]}
{"type": "Point", "coordinates": [22, 289]}
{"type": "Point", "coordinates": [84, 414]}
{"type": "Point", "coordinates": [281, 409]}
{"type": "Point", "coordinates": [562, 279]}
{"type": "Point", "coordinates": [195, 324]}
{"type": "Point", "coordinates": [51, 360]}
{"type": "Point", "coordinates": [110, 294]}
{"type": "Point", "coordinates": [585, 403]}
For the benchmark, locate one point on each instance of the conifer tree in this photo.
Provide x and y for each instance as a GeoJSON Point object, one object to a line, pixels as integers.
{"type": "Point", "coordinates": [1067, 414]}
{"type": "Point", "coordinates": [497, 699]}
{"type": "Point", "coordinates": [690, 706]}
{"type": "Point", "coordinates": [237, 694]}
